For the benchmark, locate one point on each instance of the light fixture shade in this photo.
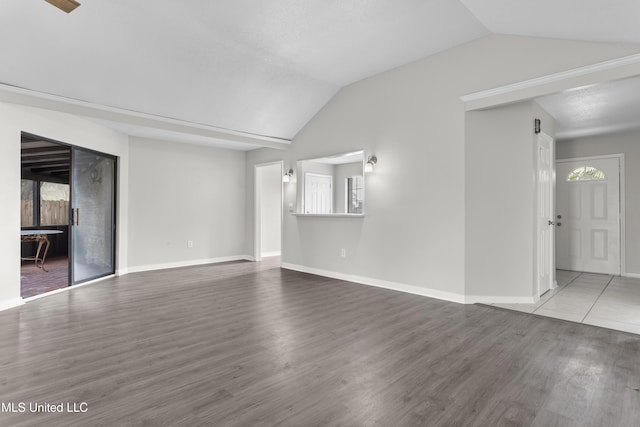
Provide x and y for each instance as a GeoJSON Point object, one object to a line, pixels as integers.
{"type": "Point", "coordinates": [287, 176]}
{"type": "Point", "coordinates": [371, 162]}
{"type": "Point", "coordinates": [64, 5]}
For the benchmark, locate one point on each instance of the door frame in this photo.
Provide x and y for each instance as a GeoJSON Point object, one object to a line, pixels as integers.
{"type": "Point", "coordinates": [257, 207]}
{"type": "Point", "coordinates": [114, 215]}
{"type": "Point", "coordinates": [70, 279]}
{"type": "Point", "coordinates": [622, 197]}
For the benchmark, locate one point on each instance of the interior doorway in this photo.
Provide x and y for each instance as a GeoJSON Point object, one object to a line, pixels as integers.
{"type": "Point", "coordinates": [67, 215]}
{"type": "Point", "coordinates": [268, 210]}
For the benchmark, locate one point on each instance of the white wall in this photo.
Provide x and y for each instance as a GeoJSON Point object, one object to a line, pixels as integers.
{"type": "Point", "coordinates": [500, 196]}
{"type": "Point", "coordinates": [270, 209]}
{"type": "Point", "coordinates": [61, 127]}
{"type": "Point", "coordinates": [414, 234]}
{"type": "Point", "coordinates": [624, 142]}
{"type": "Point", "coordinates": [182, 192]}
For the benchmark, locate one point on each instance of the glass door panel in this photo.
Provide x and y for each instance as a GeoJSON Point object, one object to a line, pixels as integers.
{"type": "Point", "coordinates": [92, 215]}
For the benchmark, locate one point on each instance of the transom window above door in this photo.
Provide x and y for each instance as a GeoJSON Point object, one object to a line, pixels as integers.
{"type": "Point", "coordinates": [586, 173]}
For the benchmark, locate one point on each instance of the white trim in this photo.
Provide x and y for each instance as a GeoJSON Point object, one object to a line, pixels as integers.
{"type": "Point", "coordinates": [18, 95]}
{"type": "Point", "coordinates": [623, 192]}
{"type": "Point", "coordinates": [257, 209]}
{"type": "Point", "coordinates": [482, 99]}
{"type": "Point", "coordinates": [335, 215]}
{"type": "Point", "coordinates": [268, 254]}
{"type": "Point", "coordinates": [190, 263]}
{"type": "Point", "coordinates": [410, 289]}
{"type": "Point", "coordinates": [11, 303]}
{"type": "Point", "coordinates": [631, 275]}
{"type": "Point", "coordinates": [475, 299]}
{"type": "Point", "coordinates": [68, 288]}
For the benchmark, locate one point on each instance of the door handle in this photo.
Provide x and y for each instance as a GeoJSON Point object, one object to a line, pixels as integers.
{"type": "Point", "coordinates": [75, 217]}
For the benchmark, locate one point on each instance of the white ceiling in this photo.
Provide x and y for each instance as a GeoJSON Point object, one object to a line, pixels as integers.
{"type": "Point", "coordinates": [263, 68]}
{"type": "Point", "coordinates": [595, 110]}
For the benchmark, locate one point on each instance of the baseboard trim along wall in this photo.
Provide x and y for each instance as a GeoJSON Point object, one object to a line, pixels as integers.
{"type": "Point", "coordinates": [410, 289]}
{"type": "Point", "coordinates": [268, 254]}
{"type": "Point", "coordinates": [631, 275]}
{"type": "Point", "coordinates": [475, 299]}
{"type": "Point", "coordinates": [11, 303]}
{"type": "Point", "coordinates": [189, 263]}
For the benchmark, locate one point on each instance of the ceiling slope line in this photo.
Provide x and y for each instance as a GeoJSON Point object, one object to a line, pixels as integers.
{"type": "Point", "coordinates": [31, 98]}
{"type": "Point", "coordinates": [623, 67]}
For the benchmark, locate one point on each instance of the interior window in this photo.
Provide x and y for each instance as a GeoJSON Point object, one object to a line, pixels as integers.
{"type": "Point", "coordinates": [586, 173]}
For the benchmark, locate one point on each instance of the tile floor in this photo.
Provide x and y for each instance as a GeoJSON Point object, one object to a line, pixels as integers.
{"type": "Point", "coordinates": [594, 299]}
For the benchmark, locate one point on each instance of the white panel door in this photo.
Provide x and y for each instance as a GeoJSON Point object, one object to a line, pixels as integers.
{"type": "Point", "coordinates": [544, 213]}
{"type": "Point", "coordinates": [318, 194]}
{"type": "Point", "coordinates": [588, 215]}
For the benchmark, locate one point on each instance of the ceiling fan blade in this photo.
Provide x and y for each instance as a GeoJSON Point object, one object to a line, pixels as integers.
{"type": "Point", "coordinates": [65, 5]}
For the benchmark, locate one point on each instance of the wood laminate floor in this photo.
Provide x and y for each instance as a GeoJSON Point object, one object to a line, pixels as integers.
{"type": "Point", "coordinates": [249, 344]}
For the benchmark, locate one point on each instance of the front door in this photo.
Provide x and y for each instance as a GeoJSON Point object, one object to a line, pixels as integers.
{"type": "Point", "coordinates": [588, 215]}
{"type": "Point", "coordinates": [92, 215]}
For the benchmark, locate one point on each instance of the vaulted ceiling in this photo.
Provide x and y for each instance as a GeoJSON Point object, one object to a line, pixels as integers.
{"type": "Point", "coordinates": [262, 68]}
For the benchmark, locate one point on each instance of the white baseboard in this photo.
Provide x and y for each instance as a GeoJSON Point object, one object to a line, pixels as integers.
{"type": "Point", "coordinates": [268, 254]}
{"type": "Point", "coordinates": [410, 289]}
{"type": "Point", "coordinates": [475, 299]}
{"type": "Point", "coordinates": [189, 263]}
{"type": "Point", "coordinates": [68, 288]}
{"type": "Point", "coordinates": [11, 303]}
{"type": "Point", "coordinates": [631, 275]}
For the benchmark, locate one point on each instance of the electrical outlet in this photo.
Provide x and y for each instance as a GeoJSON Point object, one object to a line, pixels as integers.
{"type": "Point", "coordinates": [343, 252]}
{"type": "Point", "coordinates": [189, 243]}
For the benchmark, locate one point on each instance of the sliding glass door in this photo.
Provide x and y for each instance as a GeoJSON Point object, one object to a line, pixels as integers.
{"type": "Point", "coordinates": [92, 215]}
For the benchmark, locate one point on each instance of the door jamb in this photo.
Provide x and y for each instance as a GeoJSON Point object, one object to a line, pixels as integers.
{"type": "Point", "coordinates": [257, 229]}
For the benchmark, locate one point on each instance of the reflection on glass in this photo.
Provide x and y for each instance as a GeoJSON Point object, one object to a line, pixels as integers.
{"type": "Point", "coordinates": [26, 203]}
{"type": "Point", "coordinates": [331, 185]}
{"type": "Point", "coordinates": [93, 203]}
{"type": "Point", "coordinates": [355, 194]}
{"type": "Point", "coordinates": [54, 203]}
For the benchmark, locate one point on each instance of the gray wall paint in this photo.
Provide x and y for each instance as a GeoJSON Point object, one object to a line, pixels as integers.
{"type": "Point", "coordinates": [183, 192]}
{"type": "Point", "coordinates": [627, 143]}
{"type": "Point", "coordinates": [412, 118]}
{"type": "Point", "coordinates": [270, 208]}
{"type": "Point", "coordinates": [342, 172]}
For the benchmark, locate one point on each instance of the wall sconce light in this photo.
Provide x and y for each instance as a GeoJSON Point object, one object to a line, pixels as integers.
{"type": "Point", "coordinates": [287, 176]}
{"type": "Point", "coordinates": [371, 162]}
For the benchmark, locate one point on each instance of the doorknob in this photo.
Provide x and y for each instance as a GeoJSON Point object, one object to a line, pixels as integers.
{"type": "Point", "coordinates": [551, 222]}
